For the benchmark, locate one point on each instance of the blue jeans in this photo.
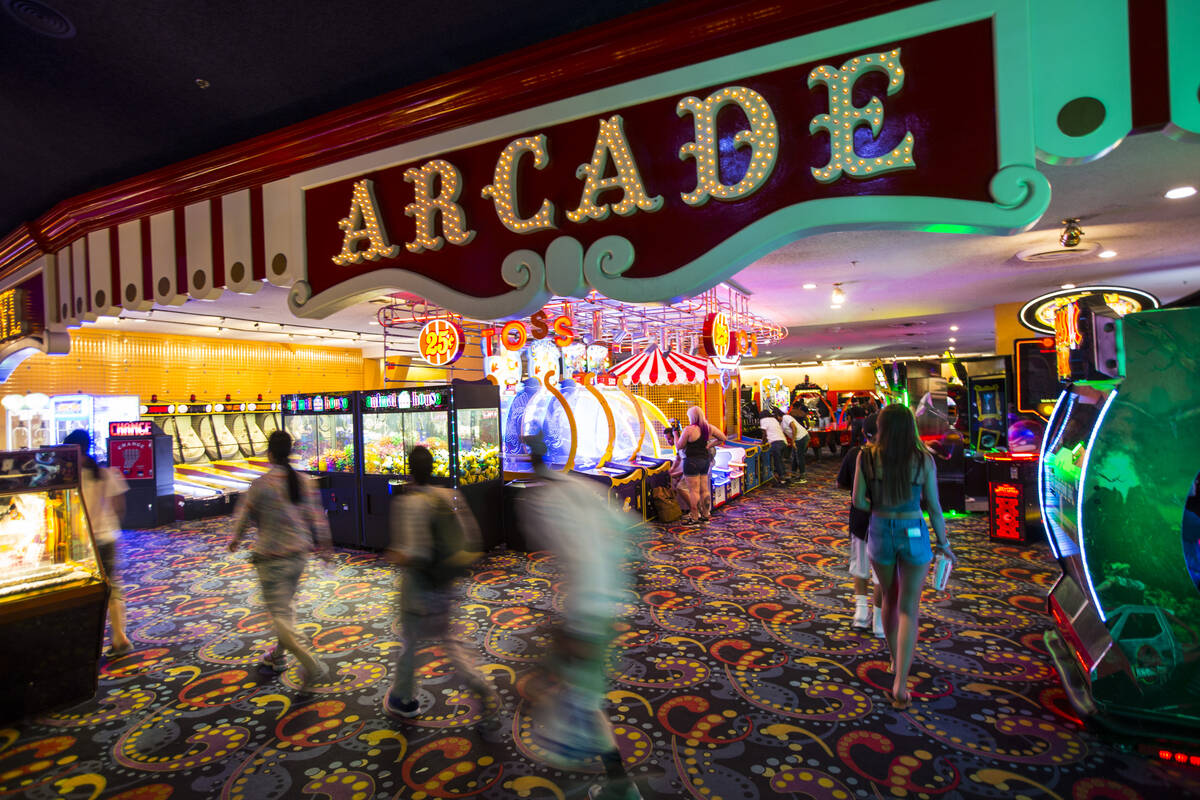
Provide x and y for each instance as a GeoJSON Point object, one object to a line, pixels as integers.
{"type": "Point", "coordinates": [888, 541]}
{"type": "Point", "coordinates": [777, 459]}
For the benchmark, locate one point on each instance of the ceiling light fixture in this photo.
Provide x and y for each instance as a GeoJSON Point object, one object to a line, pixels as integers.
{"type": "Point", "coordinates": [1108, 253]}
{"type": "Point", "coordinates": [1180, 192]}
{"type": "Point", "coordinates": [1068, 286]}
{"type": "Point", "coordinates": [810, 286]}
{"type": "Point", "coordinates": [953, 327]}
{"type": "Point", "coordinates": [1071, 234]}
{"type": "Point", "coordinates": [953, 339]}
{"type": "Point", "coordinates": [838, 297]}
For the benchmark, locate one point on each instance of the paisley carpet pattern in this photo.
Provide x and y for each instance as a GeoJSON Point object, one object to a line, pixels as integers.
{"type": "Point", "coordinates": [738, 677]}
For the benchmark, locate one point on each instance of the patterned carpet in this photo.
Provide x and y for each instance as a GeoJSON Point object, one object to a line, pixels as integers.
{"type": "Point", "coordinates": [739, 677]}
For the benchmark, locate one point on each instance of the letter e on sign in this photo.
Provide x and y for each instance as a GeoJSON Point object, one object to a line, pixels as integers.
{"type": "Point", "coordinates": [441, 342]}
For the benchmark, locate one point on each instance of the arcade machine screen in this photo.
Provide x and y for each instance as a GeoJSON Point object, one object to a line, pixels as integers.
{"type": "Point", "coordinates": [322, 427]}
{"type": "Point", "coordinates": [1038, 386]}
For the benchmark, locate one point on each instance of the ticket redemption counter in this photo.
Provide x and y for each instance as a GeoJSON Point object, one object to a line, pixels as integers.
{"type": "Point", "coordinates": [52, 587]}
{"type": "Point", "coordinates": [324, 437]}
{"type": "Point", "coordinates": [1117, 482]}
{"type": "Point", "coordinates": [144, 456]}
{"type": "Point", "coordinates": [459, 424]}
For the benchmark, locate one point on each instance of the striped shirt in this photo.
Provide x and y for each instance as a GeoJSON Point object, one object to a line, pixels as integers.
{"type": "Point", "coordinates": [284, 528]}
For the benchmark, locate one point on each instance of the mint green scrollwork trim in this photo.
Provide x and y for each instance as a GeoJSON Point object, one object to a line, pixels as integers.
{"type": "Point", "coordinates": [1022, 195]}
{"type": "Point", "coordinates": [564, 267]}
{"type": "Point", "coordinates": [522, 269]}
{"type": "Point", "coordinates": [608, 258]}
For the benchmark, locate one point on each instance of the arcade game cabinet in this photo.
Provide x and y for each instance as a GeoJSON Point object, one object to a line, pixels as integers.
{"type": "Point", "coordinates": [144, 456]}
{"type": "Point", "coordinates": [459, 424]}
{"type": "Point", "coordinates": [323, 433]}
{"type": "Point", "coordinates": [1118, 466]}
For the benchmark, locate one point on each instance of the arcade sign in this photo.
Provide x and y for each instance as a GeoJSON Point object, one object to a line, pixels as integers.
{"type": "Point", "coordinates": [1038, 314]}
{"type": "Point", "coordinates": [407, 400]}
{"type": "Point", "coordinates": [441, 342]}
{"type": "Point", "coordinates": [317, 403]}
{"type": "Point", "coordinates": [140, 428]}
{"type": "Point", "coordinates": [664, 198]}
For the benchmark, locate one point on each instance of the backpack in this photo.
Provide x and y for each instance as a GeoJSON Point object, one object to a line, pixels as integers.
{"type": "Point", "coordinates": [454, 538]}
{"type": "Point", "coordinates": [666, 507]}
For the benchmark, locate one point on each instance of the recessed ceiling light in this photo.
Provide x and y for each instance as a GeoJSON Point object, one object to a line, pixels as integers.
{"type": "Point", "coordinates": [1108, 253]}
{"type": "Point", "coordinates": [953, 339]}
{"type": "Point", "coordinates": [810, 286]}
{"type": "Point", "coordinates": [768, 352]}
{"type": "Point", "coordinates": [953, 327]}
{"type": "Point", "coordinates": [1180, 192]}
{"type": "Point", "coordinates": [818, 355]}
{"type": "Point", "coordinates": [835, 305]}
{"type": "Point", "coordinates": [951, 347]}
{"type": "Point", "coordinates": [1068, 286]}
{"type": "Point", "coordinates": [373, 322]}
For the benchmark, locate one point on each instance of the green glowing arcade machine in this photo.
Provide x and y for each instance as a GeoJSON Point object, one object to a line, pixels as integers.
{"type": "Point", "coordinates": [1117, 489]}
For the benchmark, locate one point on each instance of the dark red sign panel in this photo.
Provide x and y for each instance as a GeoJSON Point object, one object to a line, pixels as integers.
{"type": "Point", "coordinates": [943, 106]}
{"type": "Point", "coordinates": [133, 457]}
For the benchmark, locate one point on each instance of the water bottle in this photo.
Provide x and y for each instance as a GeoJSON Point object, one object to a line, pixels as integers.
{"type": "Point", "coordinates": [941, 572]}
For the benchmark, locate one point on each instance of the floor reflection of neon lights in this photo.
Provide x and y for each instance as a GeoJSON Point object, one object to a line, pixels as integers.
{"type": "Point", "coordinates": [1087, 457]}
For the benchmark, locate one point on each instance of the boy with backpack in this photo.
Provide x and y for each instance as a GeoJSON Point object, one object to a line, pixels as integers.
{"type": "Point", "coordinates": [435, 539]}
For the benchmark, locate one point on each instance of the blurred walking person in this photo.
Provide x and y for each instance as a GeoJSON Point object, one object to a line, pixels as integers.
{"type": "Point", "coordinates": [588, 537]}
{"type": "Point", "coordinates": [435, 539]}
{"type": "Point", "coordinates": [104, 498]}
{"type": "Point", "coordinates": [291, 524]}
{"type": "Point", "coordinates": [891, 477]}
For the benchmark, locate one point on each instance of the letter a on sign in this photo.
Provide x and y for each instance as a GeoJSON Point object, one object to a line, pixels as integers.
{"type": "Point", "coordinates": [844, 117]}
{"type": "Point", "coordinates": [363, 224]}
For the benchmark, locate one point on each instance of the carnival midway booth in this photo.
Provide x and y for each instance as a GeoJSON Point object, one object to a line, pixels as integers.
{"type": "Point", "coordinates": [610, 423]}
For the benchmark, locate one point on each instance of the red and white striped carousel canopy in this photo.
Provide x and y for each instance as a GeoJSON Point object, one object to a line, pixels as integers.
{"type": "Point", "coordinates": [653, 367]}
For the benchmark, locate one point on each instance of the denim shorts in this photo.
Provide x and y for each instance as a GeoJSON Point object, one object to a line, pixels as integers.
{"type": "Point", "coordinates": [888, 541]}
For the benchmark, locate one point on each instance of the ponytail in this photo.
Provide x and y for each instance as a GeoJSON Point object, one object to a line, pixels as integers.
{"type": "Point", "coordinates": [279, 447]}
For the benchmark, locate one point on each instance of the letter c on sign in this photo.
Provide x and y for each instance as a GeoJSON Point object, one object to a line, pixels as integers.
{"type": "Point", "coordinates": [513, 335]}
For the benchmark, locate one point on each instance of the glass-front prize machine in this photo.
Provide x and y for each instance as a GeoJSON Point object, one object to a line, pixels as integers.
{"type": "Point", "coordinates": [52, 587]}
{"type": "Point", "coordinates": [91, 413]}
{"type": "Point", "coordinates": [1118, 493]}
{"type": "Point", "coordinates": [458, 423]}
{"type": "Point", "coordinates": [323, 433]}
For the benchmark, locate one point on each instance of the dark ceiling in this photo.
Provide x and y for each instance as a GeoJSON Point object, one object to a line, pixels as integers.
{"type": "Point", "coordinates": [118, 94]}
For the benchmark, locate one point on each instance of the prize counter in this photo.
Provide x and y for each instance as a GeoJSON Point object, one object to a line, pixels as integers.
{"type": "Point", "coordinates": [53, 591]}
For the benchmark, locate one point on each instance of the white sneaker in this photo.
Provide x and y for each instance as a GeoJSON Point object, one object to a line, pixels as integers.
{"type": "Point", "coordinates": [877, 624]}
{"type": "Point", "coordinates": [862, 616]}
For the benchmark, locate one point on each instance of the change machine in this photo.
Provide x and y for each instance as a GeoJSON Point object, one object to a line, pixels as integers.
{"type": "Point", "coordinates": [144, 455]}
{"type": "Point", "coordinates": [1117, 486]}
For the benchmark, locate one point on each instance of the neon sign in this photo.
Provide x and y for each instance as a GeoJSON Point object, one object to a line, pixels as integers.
{"type": "Point", "coordinates": [1038, 314]}
{"type": "Point", "coordinates": [441, 342]}
{"type": "Point", "coordinates": [130, 428]}
{"type": "Point", "coordinates": [14, 321]}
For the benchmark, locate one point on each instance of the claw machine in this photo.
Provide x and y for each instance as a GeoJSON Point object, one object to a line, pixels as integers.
{"type": "Point", "coordinates": [52, 585]}
{"type": "Point", "coordinates": [324, 433]}
{"type": "Point", "coordinates": [459, 423]}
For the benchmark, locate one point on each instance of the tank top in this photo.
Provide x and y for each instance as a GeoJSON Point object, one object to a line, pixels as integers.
{"type": "Point", "coordinates": [698, 447]}
{"type": "Point", "coordinates": [875, 488]}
